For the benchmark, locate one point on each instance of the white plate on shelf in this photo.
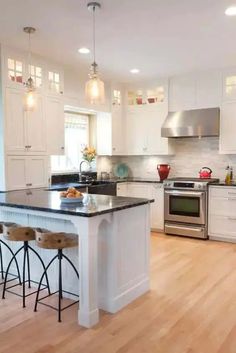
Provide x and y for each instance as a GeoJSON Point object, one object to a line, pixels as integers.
{"type": "Point", "coordinates": [71, 200]}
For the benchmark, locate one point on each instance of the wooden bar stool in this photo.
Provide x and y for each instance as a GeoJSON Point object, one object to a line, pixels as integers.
{"type": "Point", "coordinates": [2, 272]}
{"type": "Point", "coordinates": [17, 233]}
{"type": "Point", "coordinates": [59, 241]}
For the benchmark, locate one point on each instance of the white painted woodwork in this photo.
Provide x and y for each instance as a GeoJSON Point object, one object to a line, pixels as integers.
{"type": "Point", "coordinates": [15, 121]}
{"type": "Point", "coordinates": [182, 93]}
{"type": "Point", "coordinates": [112, 258]}
{"type": "Point", "coordinates": [222, 213]}
{"type": "Point", "coordinates": [228, 128]}
{"type": "Point", "coordinates": [55, 123]}
{"type": "Point", "coordinates": [35, 126]}
{"type": "Point", "coordinates": [122, 189]}
{"type": "Point", "coordinates": [26, 172]}
{"type": "Point", "coordinates": [16, 172]}
{"type": "Point", "coordinates": [147, 190]}
{"type": "Point", "coordinates": [157, 207]}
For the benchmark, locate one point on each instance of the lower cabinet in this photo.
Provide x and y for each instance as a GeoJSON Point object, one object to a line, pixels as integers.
{"type": "Point", "coordinates": [26, 172]}
{"type": "Point", "coordinates": [147, 190]}
{"type": "Point", "coordinates": [222, 213]}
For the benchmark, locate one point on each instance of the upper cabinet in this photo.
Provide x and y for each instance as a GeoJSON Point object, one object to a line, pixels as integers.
{"type": "Point", "coordinates": [202, 90]}
{"type": "Point", "coordinates": [111, 127]}
{"type": "Point", "coordinates": [146, 110]}
{"type": "Point", "coordinates": [25, 130]}
{"type": "Point", "coordinates": [229, 86]}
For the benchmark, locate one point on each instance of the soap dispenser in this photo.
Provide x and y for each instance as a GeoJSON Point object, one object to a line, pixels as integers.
{"type": "Point", "coordinates": [228, 175]}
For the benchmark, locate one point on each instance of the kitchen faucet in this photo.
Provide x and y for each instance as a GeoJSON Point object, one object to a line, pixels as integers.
{"type": "Point", "coordinates": [80, 169]}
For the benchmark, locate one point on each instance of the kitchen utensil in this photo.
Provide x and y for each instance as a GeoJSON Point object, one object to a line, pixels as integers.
{"type": "Point", "coordinates": [121, 171]}
{"type": "Point", "coordinates": [163, 171]}
{"type": "Point", "coordinates": [205, 173]}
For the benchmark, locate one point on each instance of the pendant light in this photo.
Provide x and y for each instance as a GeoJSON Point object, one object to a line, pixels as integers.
{"type": "Point", "coordinates": [94, 89]}
{"type": "Point", "coordinates": [30, 96]}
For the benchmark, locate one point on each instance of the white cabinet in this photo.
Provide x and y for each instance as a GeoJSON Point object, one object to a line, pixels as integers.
{"type": "Point", "coordinates": [110, 133]}
{"type": "Point", "coordinates": [55, 123]}
{"type": "Point", "coordinates": [122, 189]}
{"type": "Point", "coordinates": [144, 130]}
{"type": "Point", "coordinates": [222, 213]}
{"type": "Point", "coordinates": [157, 208]}
{"type": "Point", "coordinates": [15, 121]}
{"type": "Point", "coordinates": [149, 191]}
{"type": "Point", "coordinates": [228, 128]}
{"type": "Point", "coordinates": [26, 172]}
{"type": "Point", "coordinates": [35, 128]}
{"type": "Point", "coordinates": [202, 90]}
{"type": "Point", "coordinates": [25, 130]}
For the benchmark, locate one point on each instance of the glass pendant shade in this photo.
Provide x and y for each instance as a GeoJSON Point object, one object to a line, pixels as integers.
{"type": "Point", "coordinates": [95, 91]}
{"type": "Point", "coordinates": [30, 100]}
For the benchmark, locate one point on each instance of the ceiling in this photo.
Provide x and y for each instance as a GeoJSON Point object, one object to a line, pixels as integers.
{"type": "Point", "coordinates": [160, 37]}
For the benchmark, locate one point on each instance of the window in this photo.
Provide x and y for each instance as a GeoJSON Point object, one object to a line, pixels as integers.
{"type": "Point", "coordinates": [54, 81]}
{"type": "Point", "coordinates": [76, 137]}
{"type": "Point", "coordinates": [36, 74]}
{"type": "Point", "coordinates": [15, 70]}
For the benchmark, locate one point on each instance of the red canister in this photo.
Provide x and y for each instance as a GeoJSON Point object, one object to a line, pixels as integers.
{"type": "Point", "coordinates": [163, 171]}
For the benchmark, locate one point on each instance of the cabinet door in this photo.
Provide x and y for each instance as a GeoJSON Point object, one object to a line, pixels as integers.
{"type": "Point", "coordinates": [104, 126]}
{"type": "Point", "coordinates": [141, 190]}
{"type": "Point", "coordinates": [154, 120]}
{"type": "Point", "coordinates": [15, 129]}
{"type": "Point", "coordinates": [16, 173]}
{"type": "Point", "coordinates": [136, 132]}
{"type": "Point", "coordinates": [157, 208]}
{"type": "Point", "coordinates": [118, 131]}
{"type": "Point", "coordinates": [228, 128]}
{"type": "Point", "coordinates": [122, 189]}
{"type": "Point", "coordinates": [182, 93]}
{"type": "Point", "coordinates": [55, 122]}
{"type": "Point", "coordinates": [36, 127]}
{"type": "Point", "coordinates": [37, 171]}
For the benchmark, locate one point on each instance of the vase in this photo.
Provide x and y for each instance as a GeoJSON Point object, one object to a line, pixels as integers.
{"type": "Point", "coordinates": [163, 171]}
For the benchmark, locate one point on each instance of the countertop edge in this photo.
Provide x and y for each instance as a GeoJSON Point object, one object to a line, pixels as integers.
{"type": "Point", "coordinates": [80, 214]}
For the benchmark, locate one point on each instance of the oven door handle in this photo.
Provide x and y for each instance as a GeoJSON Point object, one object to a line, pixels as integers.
{"type": "Point", "coordinates": [184, 193]}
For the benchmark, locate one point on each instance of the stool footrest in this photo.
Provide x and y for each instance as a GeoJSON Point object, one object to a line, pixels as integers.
{"type": "Point", "coordinates": [27, 281]}
{"type": "Point", "coordinates": [55, 308]}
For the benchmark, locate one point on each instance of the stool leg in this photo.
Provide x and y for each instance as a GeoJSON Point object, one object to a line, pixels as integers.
{"type": "Point", "coordinates": [1, 262]}
{"type": "Point", "coordinates": [28, 264]}
{"type": "Point", "coordinates": [44, 267]}
{"type": "Point", "coordinates": [72, 265]}
{"type": "Point", "coordinates": [60, 255]}
{"type": "Point", "coordinates": [41, 280]}
{"type": "Point", "coordinates": [12, 253]}
{"type": "Point", "coordinates": [7, 271]}
{"type": "Point", "coordinates": [24, 270]}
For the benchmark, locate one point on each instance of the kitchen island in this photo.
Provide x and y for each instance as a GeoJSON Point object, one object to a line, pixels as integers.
{"type": "Point", "coordinates": [113, 253]}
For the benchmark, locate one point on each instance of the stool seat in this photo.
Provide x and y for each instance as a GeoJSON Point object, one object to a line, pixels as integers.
{"type": "Point", "coordinates": [15, 232]}
{"type": "Point", "coordinates": [53, 240]}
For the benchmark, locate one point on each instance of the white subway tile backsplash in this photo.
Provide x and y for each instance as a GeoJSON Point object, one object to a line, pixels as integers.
{"type": "Point", "coordinates": [191, 154]}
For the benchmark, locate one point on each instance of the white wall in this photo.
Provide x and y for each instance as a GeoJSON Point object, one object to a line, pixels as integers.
{"type": "Point", "coordinates": [191, 154]}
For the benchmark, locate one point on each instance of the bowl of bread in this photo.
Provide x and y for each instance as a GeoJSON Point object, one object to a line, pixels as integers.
{"type": "Point", "coordinates": [71, 195]}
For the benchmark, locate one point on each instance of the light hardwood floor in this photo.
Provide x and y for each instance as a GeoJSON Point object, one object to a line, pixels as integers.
{"type": "Point", "coordinates": [191, 308]}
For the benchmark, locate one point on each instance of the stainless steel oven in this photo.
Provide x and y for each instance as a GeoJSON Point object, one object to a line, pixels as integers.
{"type": "Point", "coordinates": [185, 207]}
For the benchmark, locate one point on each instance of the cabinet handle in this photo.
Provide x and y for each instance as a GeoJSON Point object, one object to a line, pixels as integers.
{"type": "Point", "coordinates": [29, 146]}
{"type": "Point", "coordinates": [28, 184]}
{"type": "Point", "coordinates": [26, 146]}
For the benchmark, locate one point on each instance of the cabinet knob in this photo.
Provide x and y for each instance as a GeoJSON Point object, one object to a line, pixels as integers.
{"type": "Point", "coordinates": [113, 148]}
{"type": "Point", "coordinates": [29, 146]}
{"type": "Point", "coordinates": [62, 148]}
{"type": "Point", "coordinates": [29, 184]}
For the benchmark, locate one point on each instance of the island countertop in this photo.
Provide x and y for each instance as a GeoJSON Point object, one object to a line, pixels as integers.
{"type": "Point", "coordinates": [49, 201]}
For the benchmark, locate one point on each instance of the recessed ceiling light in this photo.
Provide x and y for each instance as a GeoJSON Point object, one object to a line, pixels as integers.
{"type": "Point", "coordinates": [231, 11]}
{"type": "Point", "coordinates": [84, 51]}
{"type": "Point", "coordinates": [134, 71]}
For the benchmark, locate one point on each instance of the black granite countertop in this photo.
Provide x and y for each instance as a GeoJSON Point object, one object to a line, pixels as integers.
{"type": "Point", "coordinates": [49, 201]}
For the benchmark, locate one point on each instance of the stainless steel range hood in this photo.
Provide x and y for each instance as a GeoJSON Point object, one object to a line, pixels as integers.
{"type": "Point", "coordinates": [192, 123]}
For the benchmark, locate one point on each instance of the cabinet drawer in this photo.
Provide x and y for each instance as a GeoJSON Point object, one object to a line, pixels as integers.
{"type": "Point", "coordinates": [223, 226]}
{"type": "Point", "coordinates": [223, 191]}
{"type": "Point", "coordinates": [223, 206]}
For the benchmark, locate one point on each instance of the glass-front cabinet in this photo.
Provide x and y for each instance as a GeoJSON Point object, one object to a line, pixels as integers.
{"type": "Point", "coordinates": [150, 96]}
